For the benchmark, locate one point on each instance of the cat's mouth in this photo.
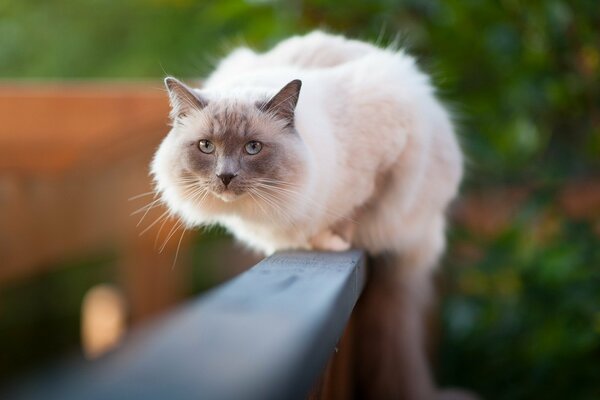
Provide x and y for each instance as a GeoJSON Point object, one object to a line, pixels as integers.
{"type": "Point", "coordinates": [228, 195]}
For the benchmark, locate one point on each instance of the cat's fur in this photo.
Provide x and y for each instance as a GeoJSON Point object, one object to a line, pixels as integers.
{"type": "Point", "coordinates": [359, 153]}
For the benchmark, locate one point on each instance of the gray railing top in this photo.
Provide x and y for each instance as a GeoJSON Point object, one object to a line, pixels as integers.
{"type": "Point", "coordinates": [266, 334]}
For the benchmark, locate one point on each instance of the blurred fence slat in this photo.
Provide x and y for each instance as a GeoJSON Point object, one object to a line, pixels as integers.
{"type": "Point", "coordinates": [71, 154]}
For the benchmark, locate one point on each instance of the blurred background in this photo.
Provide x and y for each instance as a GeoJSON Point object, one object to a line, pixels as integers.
{"type": "Point", "coordinates": [82, 109]}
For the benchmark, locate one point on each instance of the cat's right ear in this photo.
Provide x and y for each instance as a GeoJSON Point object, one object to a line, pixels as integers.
{"type": "Point", "coordinates": [183, 98]}
{"type": "Point", "coordinates": [284, 102]}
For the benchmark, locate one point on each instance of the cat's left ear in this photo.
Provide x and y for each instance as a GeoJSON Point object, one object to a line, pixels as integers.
{"type": "Point", "coordinates": [183, 98]}
{"type": "Point", "coordinates": [284, 102]}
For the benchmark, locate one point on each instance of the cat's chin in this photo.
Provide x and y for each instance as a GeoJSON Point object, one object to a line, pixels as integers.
{"type": "Point", "coordinates": [228, 196]}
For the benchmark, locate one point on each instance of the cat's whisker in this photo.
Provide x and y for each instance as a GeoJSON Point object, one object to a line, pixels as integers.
{"type": "Point", "coordinates": [152, 192]}
{"type": "Point", "coordinates": [204, 196]}
{"type": "Point", "coordinates": [267, 202]}
{"type": "Point", "coordinates": [277, 183]}
{"type": "Point", "coordinates": [192, 190]}
{"type": "Point", "coordinates": [147, 207]}
{"type": "Point", "coordinates": [187, 183]}
{"type": "Point", "coordinates": [270, 196]}
{"type": "Point", "coordinates": [295, 195]}
{"type": "Point", "coordinates": [177, 250]}
{"type": "Point", "coordinates": [163, 215]}
{"type": "Point", "coordinates": [145, 213]}
{"type": "Point", "coordinates": [277, 212]}
{"type": "Point", "coordinates": [314, 202]}
{"type": "Point", "coordinates": [171, 233]}
{"type": "Point", "coordinates": [272, 205]}
{"type": "Point", "coordinates": [270, 215]}
{"type": "Point", "coordinates": [292, 196]}
{"type": "Point", "coordinates": [199, 193]}
{"type": "Point", "coordinates": [188, 178]}
{"type": "Point", "coordinates": [258, 203]}
{"type": "Point", "coordinates": [188, 194]}
{"type": "Point", "coordinates": [159, 231]}
{"type": "Point", "coordinates": [267, 198]}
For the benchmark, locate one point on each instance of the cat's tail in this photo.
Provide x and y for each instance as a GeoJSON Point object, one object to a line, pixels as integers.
{"type": "Point", "coordinates": [393, 328]}
{"type": "Point", "coordinates": [391, 334]}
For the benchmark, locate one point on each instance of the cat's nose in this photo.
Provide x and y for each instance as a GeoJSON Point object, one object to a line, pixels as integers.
{"type": "Point", "coordinates": [226, 178]}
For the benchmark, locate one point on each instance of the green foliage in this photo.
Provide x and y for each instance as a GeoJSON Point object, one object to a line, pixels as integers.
{"type": "Point", "coordinates": [522, 317]}
{"type": "Point", "coordinates": [125, 39]}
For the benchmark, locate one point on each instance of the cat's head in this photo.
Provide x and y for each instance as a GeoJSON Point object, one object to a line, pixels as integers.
{"type": "Point", "coordinates": [228, 146]}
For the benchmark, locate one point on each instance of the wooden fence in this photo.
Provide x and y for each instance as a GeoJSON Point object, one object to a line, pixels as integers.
{"type": "Point", "coordinates": [71, 154]}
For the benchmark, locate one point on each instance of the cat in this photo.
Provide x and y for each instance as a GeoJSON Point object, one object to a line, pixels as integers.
{"type": "Point", "coordinates": [325, 143]}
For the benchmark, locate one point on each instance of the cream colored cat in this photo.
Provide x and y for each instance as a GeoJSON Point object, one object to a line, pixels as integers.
{"type": "Point", "coordinates": [324, 143]}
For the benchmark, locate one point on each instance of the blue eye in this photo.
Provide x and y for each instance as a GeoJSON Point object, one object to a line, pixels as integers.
{"type": "Point", "coordinates": [253, 147]}
{"type": "Point", "coordinates": [206, 146]}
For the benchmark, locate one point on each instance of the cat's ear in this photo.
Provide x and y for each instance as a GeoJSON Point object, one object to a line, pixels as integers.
{"type": "Point", "coordinates": [284, 102]}
{"type": "Point", "coordinates": [183, 98]}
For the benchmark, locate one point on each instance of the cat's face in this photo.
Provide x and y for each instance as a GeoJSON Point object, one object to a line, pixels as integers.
{"type": "Point", "coordinates": [227, 149]}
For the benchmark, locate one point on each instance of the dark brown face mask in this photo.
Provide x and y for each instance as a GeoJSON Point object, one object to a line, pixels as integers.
{"type": "Point", "coordinates": [232, 146]}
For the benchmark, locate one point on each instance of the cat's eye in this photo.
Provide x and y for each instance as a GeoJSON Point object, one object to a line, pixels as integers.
{"type": "Point", "coordinates": [206, 146]}
{"type": "Point", "coordinates": [253, 147]}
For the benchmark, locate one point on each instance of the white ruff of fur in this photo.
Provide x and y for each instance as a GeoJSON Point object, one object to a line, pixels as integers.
{"type": "Point", "coordinates": [375, 158]}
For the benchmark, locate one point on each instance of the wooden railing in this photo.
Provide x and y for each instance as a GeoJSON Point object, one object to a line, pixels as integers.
{"type": "Point", "coordinates": [266, 334]}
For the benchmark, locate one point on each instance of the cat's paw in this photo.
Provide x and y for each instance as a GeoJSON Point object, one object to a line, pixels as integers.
{"type": "Point", "coordinates": [329, 241]}
{"type": "Point", "coordinates": [336, 243]}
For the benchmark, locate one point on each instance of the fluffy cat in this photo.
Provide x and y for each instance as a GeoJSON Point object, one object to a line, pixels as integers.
{"type": "Point", "coordinates": [325, 143]}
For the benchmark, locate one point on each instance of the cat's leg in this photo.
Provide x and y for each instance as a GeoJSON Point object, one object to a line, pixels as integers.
{"type": "Point", "coordinates": [345, 228]}
{"type": "Point", "coordinates": [329, 241]}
